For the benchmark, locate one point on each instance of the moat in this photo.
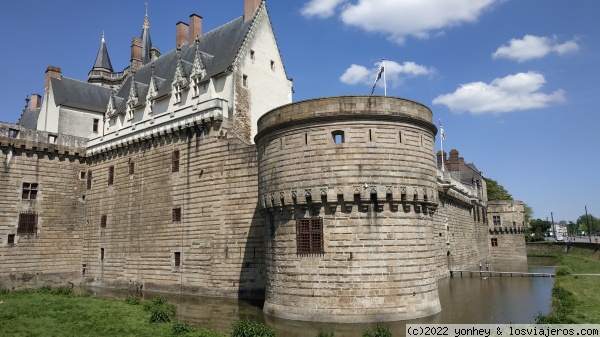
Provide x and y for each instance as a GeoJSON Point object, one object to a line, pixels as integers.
{"type": "Point", "coordinates": [464, 300]}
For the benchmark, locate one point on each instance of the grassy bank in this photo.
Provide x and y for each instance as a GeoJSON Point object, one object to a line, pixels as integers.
{"type": "Point", "coordinates": [575, 297]}
{"type": "Point", "coordinates": [60, 312]}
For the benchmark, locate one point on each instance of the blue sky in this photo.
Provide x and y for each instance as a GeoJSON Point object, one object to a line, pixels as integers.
{"type": "Point", "coordinates": [515, 82]}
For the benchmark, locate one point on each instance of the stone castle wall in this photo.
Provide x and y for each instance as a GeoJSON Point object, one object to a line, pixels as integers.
{"type": "Point", "coordinates": [375, 192]}
{"type": "Point", "coordinates": [216, 236]}
{"type": "Point", "coordinates": [48, 167]}
{"type": "Point", "coordinates": [505, 238]}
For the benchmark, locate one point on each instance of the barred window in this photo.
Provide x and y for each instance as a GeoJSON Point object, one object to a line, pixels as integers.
{"type": "Point", "coordinates": [111, 175]}
{"type": "Point", "coordinates": [27, 223]}
{"type": "Point", "coordinates": [494, 242]}
{"type": "Point", "coordinates": [177, 259]}
{"type": "Point", "coordinates": [89, 180]}
{"type": "Point", "coordinates": [131, 167]}
{"type": "Point", "coordinates": [309, 236]}
{"type": "Point", "coordinates": [103, 221]}
{"type": "Point", "coordinates": [29, 191]}
{"type": "Point", "coordinates": [175, 161]}
{"type": "Point", "coordinates": [176, 214]}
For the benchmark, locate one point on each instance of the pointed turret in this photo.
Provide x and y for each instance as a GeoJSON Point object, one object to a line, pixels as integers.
{"type": "Point", "coordinates": [103, 60]}
{"type": "Point", "coordinates": [146, 40]}
{"type": "Point", "coordinates": [102, 73]}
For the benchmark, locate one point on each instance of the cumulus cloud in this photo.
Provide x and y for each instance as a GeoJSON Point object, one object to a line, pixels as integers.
{"type": "Point", "coordinates": [395, 73]}
{"type": "Point", "coordinates": [320, 8]}
{"type": "Point", "coordinates": [400, 19]}
{"type": "Point", "coordinates": [534, 47]}
{"type": "Point", "coordinates": [510, 93]}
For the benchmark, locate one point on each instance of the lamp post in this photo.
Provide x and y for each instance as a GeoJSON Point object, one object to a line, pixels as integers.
{"type": "Point", "coordinates": [553, 228]}
{"type": "Point", "coordinates": [587, 221]}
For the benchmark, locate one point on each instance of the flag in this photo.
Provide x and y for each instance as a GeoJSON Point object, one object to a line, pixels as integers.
{"type": "Point", "coordinates": [381, 70]}
{"type": "Point", "coordinates": [442, 133]}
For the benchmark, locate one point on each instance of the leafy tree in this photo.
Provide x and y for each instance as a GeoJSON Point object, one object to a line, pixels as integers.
{"type": "Point", "coordinates": [496, 191]}
{"type": "Point", "coordinates": [528, 213]}
{"type": "Point", "coordinates": [537, 227]}
{"type": "Point", "coordinates": [572, 228]}
{"type": "Point", "coordinates": [594, 223]}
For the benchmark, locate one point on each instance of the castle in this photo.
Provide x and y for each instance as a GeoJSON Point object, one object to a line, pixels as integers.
{"type": "Point", "coordinates": [149, 179]}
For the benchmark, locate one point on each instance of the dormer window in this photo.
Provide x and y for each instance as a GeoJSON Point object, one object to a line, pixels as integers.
{"type": "Point", "coordinates": [177, 93]}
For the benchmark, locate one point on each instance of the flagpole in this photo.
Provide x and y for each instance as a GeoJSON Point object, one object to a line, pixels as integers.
{"type": "Point", "coordinates": [384, 81]}
{"type": "Point", "coordinates": [442, 135]}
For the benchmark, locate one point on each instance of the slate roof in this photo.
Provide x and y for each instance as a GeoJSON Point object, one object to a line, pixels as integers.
{"type": "Point", "coordinates": [219, 49]}
{"type": "Point", "coordinates": [29, 119]}
{"type": "Point", "coordinates": [103, 60]}
{"type": "Point", "coordinates": [77, 94]}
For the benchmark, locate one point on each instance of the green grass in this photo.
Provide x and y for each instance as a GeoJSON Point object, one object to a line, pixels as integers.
{"type": "Point", "coordinates": [576, 298]}
{"type": "Point", "coordinates": [54, 313]}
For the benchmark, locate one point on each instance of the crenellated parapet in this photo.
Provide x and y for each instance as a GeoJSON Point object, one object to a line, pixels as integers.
{"type": "Point", "coordinates": [367, 197]}
{"type": "Point", "coordinates": [15, 139]}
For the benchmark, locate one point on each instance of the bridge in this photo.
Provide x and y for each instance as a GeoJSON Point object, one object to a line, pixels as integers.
{"type": "Point", "coordinates": [490, 273]}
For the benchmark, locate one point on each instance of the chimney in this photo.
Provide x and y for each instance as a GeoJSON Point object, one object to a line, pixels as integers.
{"type": "Point", "coordinates": [195, 27]}
{"type": "Point", "coordinates": [182, 32]}
{"type": "Point", "coordinates": [136, 54]}
{"type": "Point", "coordinates": [52, 72]}
{"type": "Point", "coordinates": [250, 7]}
{"type": "Point", "coordinates": [35, 102]}
{"type": "Point", "coordinates": [453, 161]}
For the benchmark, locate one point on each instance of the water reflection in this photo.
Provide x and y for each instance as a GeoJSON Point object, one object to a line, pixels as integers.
{"type": "Point", "coordinates": [464, 300]}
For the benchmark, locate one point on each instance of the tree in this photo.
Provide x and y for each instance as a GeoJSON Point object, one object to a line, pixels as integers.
{"type": "Point", "coordinates": [528, 213]}
{"type": "Point", "coordinates": [496, 191]}
{"type": "Point", "coordinates": [594, 223]}
{"type": "Point", "coordinates": [537, 227]}
{"type": "Point", "coordinates": [572, 228]}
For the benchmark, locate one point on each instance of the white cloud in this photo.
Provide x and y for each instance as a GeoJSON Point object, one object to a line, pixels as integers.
{"type": "Point", "coordinates": [400, 19]}
{"type": "Point", "coordinates": [534, 47]}
{"type": "Point", "coordinates": [320, 8]}
{"type": "Point", "coordinates": [395, 73]}
{"type": "Point", "coordinates": [510, 93]}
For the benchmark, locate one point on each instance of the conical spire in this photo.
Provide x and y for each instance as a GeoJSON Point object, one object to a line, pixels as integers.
{"type": "Point", "coordinates": [146, 40]}
{"type": "Point", "coordinates": [103, 60]}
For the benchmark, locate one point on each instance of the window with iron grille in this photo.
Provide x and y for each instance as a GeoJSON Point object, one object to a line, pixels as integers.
{"type": "Point", "coordinates": [103, 221]}
{"type": "Point", "coordinates": [176, 214]}
{"type": "Point", "coordinates": [131, 167]}
{"type": "Point", "coordinates": [175, 161]}
{"type": "Point", "coordinates": [89, 180]}
{"type": "Point", "coordinates": [27, 223]}
{"type": "Point", "coordinates": [309, 236]}
{"type": "Point", "coordinates": [494, 242]}
{"type": "Point", "coordinates": [177, 259]}
{"type": "Point", "coordinates": [496, 219]}
{"type": "Point", "coordinates": [29, 191]}
{"type": "Point", "coordinates": [111, 175]}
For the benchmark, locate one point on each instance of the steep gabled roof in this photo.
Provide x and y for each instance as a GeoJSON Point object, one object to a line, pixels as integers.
{"type": "Point", "coordinates": [219, 49]}
{"type": "Point", "coordinates": [29, 118]}
{"type": "Point", "coordinates": [77, 94]}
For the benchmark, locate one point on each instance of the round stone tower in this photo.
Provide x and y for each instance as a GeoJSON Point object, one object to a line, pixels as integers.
{"type": "Point", "coordinates": [347, 189]}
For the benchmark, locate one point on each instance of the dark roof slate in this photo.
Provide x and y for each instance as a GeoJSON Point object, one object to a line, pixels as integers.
{"type": "Point", "coordinates": [103, 60]}
{"type": "Point", "coordinates": [77, 94]}
{"type": "Point", "coordinates": [219, 49]}
{"type": "Point", "coordinates": [29, 119]}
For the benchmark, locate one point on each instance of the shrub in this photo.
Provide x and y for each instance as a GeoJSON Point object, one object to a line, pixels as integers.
{"type": "Point", "coordinates": [378, 331]}
{"type": "Point", "coordinates": [247, 328]}
{"type": "Point", "coordinates": [180, 328]}
{"type": "Point", "coordinates": [45, 290]}
{"type": "Point", "coordinates": [159, 315]}
{"type": "Point", "coordinates": [324, 334]}
{"type": "Point", "coordinates": [562, 271]}
{"type": "Point", "coordinates": [64, 291]}
{"type": "Point", "coordinates": [161, 311]}
{"type": "Point", "coordinates": [133, 300]}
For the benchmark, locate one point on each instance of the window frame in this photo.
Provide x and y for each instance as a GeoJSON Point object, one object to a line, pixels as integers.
{"type": "Point", "coordinates": [28, 222]}
{"type": "Point", "coordinates": [175, 160]}
{"type": "Point", "coordinates": [29, 191]}
{"type": "Point", "coordinates": [309, 237]}
{"type": "Point", "coordinates": [176, 215]}
{"type": "Point", "coordinates": [111, 175]}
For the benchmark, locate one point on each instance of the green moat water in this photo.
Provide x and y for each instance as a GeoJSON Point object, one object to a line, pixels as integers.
{"type": "Point", "coordinates": [463, 299]}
